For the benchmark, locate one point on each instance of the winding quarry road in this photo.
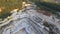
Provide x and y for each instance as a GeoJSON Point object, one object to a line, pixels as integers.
{"type": "Point", "coordinates": [28, 21]}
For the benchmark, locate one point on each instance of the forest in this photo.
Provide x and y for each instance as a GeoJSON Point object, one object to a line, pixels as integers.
{"type": "Point", "coordinates": [8, 5]}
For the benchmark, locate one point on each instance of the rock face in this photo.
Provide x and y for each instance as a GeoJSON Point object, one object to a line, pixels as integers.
{"type": "Point", "coordinates": [29, 21]}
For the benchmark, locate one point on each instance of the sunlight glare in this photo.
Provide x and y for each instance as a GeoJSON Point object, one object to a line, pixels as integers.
{"type": "Point", "coordinates": [0, 10]}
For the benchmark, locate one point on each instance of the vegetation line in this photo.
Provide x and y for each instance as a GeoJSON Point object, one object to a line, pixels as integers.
{"type": "Point", "coordinates": [46, 8]}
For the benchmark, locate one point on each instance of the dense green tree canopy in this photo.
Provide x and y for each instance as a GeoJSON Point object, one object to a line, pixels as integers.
{"type": "Point", "coordinates": [8, 5]}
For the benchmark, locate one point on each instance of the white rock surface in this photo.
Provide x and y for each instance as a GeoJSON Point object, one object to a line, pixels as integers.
{"type": "Point", "coordinates": [28, 22]}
